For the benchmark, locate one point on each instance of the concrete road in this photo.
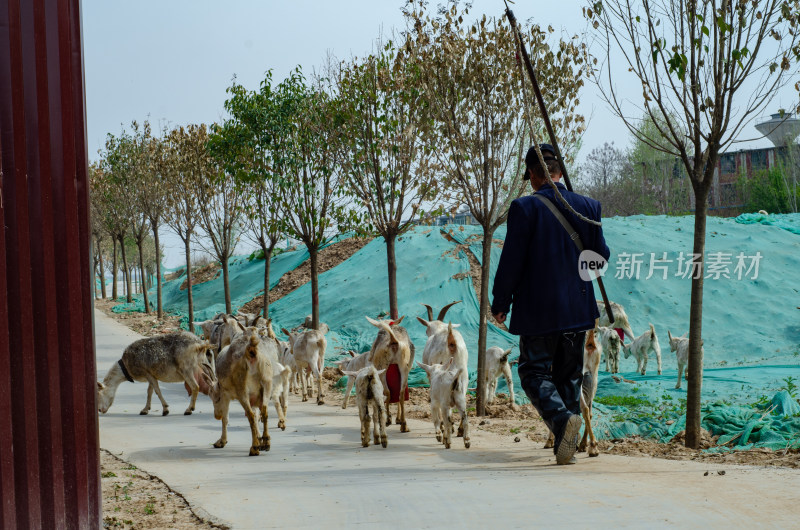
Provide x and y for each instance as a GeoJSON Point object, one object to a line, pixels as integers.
{"type": "Point", "coordinates": [318, 475]}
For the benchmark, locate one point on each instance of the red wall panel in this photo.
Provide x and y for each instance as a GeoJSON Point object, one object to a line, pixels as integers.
{"type": "Point", "coordinates": [49, 456]}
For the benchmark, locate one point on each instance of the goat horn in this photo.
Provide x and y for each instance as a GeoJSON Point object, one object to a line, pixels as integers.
{"type": "Point", "coordinates": [430, 312]}
{"type": "Point", "coordinates": [443, 312]}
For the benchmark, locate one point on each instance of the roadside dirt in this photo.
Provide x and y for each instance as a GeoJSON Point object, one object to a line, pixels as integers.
{"type": "Point", "coordinates": [328, 258]}
{"type": "Point", "coordinates": [204, 274]}
{"type": "Point", "coordinates": [133, 498]}
{"type": "Point", "coordinates": [146, 324]}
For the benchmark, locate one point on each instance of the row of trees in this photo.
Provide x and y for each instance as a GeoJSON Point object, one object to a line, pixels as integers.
{"type": "Point", "coordinates": [432, 120]}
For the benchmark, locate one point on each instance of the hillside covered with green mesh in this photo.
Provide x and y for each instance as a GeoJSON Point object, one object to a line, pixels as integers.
{"type": "Point", "coordinates": [751, 322]}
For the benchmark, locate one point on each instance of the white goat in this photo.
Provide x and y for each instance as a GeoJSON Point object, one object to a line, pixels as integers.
{"type": "Point", "coordinates": [446, 393]}
{"type": "Point", "coordinates": [611, 345]}
{"type": "Point", "coordinates": [171, 358]}
{"type": "Point", "coordinates": [369, 393]}
{"type": "Point", "coordinates": [680, 345]}
{"type": "Point", "coordinates": [620, 318]}
{"type": "Point", "coordinates": [393, 346]}
{"type": "Point", "coordinates": [497, 364]}
{"type": "Point", "coordinates": [641, 347]}
{"type": "Point", "coordinates": [308, 349]}
{"type": "Point", "coordinates": [353, 363]}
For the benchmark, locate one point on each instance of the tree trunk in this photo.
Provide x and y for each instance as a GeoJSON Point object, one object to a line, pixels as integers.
{"type": "Point", "coordinates": [114, 269]}
{"type": "Point", "coordinates": [313, 255]}
{"type": "Point", "coordinates": [159, 303]}
{"type": "Point", "coordinates": [694, 378]}
{"type": "Point", "coordinates": [227, 286]}
{"type": "Point", "coordinates": [102, 272]}
{"type": "Point", "coordinates": [142, 275]}
{"type": "Point", "coordinates": [128, 294]}
{"type": "Point", "coordinates": [480, 404]}
{"type": "Point", "coordinates": [189, 281]}
{"type": "Point", "coordinates": [391, 264]}
{"type": "Point", "coordinates": [267, 258]}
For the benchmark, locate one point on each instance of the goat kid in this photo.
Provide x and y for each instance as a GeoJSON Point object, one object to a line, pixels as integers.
{"type": "Point", "coordinates": [641, 347]}
{"type": "Point", "coordinates": [392, 345]}
{"type": "Point", "coordinates": [369, 393]}
{"type": "Point", "coordinates": [497, 364]}
{"type": "Point", "coordinates": [611, 344]}
{"type": "Point", "coordinates": [353, 363]}
{"type": "Point", "coordinates": [447, 392]}
{"type": "Point", "coordinates": [680, 345]}
{"type": "Point", "coordinates": [170, 358]}
{"type": "Point", "coordinates": [245, 373]}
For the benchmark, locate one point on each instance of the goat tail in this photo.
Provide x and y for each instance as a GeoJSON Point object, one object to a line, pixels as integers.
{"type": "Point", "coordinates": [457, 381]}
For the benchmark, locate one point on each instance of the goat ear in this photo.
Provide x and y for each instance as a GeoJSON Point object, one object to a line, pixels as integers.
{"type": "Point", "coordinates": [100, 386]}
{"type": "Point", "coordinates": [349, 373]}
{"type": "Point", "coordinates": [373, 322]}
{"type": "Point", "coordinates": [381, 372]}
{"type": "Point", "coordinates": [425, 367]}
{"type": "Point", "coordinates": [423, 321]}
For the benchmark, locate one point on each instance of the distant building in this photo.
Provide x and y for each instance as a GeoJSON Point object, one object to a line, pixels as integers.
{"type": "Point", "coordinates": [725, 198]}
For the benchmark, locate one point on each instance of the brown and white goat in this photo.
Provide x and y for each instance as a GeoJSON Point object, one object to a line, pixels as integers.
{"type": "Point", "coordinates": [244, 373]}
{"type": "Point", "coordinates": [620, 318]}
{"type": "Point", "coordinates": [171, 358]}
{"type": "Point", "coordinates": [369, 394]}
{"type": "Point", "coordinates": [393, 346]}
{"type": "Point", "coordinates": [446, 393]}
{"type": "Point", "coordinates": [592, 351]}
{"type": "Point", "coordinates": [308, 349]}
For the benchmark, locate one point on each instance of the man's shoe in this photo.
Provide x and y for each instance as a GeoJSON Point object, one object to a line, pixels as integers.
{"type": "Point", "coordinates": [569, 441]}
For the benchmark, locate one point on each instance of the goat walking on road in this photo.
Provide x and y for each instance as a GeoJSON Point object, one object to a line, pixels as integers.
{"type": "Point", "coordinates": [178, 357]}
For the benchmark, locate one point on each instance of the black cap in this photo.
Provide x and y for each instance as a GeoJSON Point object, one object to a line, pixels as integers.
{"type": "Point", "coordinates": [532, 159]}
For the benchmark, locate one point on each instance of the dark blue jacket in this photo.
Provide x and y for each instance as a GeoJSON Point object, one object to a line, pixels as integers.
{"type": "Point", "coordinates": [538, 269]}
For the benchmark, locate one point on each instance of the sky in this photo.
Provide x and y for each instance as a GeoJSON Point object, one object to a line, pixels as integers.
{"type": "Point", "coordinates": [171, 61]}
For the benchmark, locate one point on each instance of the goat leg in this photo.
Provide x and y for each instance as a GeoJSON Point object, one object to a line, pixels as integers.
{"type": "Point", "coordinates": [154, 384]}
{"type": "Point", "coordinates": [146, 408]}
{"type": "Point", "coordinates": [223, 440]}
{"type": "Point", "coordinates": [265, 442]}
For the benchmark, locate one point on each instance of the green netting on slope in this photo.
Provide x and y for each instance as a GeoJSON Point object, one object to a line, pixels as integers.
{"type": "Point", "coordinates": [426, 270]}
{"type": "Point", "coordinates": [246, 282]}
{"type": "Point", "coordinates": [790, 222]}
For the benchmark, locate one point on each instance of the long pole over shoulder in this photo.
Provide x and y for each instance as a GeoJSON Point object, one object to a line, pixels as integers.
{"type": "Point", "coordinates": [540, 100]}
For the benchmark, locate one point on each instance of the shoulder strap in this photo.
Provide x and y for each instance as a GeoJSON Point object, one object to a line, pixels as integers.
{"type": "Point", "coordinates": [573, 235]}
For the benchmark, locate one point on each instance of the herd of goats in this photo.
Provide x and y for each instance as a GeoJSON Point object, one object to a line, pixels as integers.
{"type": "Point", "coordinates": [241, 358]}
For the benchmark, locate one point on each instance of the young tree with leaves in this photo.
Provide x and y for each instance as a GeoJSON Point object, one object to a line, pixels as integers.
{"type": "Point", "coordinates": [185, 165]}
{"type": "Point", "coordinates": [706, 68]}
{"type": "Point", "coordinates": [386, 162]}
{"type": "Point", "coordinates": [483, 122]}
{"type": "Point", "coordinates": [305, 124]}
{"type": "Point", "coordinates": [242, 146]}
